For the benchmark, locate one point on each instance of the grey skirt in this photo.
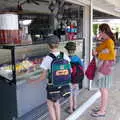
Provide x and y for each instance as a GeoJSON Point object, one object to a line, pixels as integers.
{"type": "Point", "coordinates": [100, 80]}
{"type": "Point", "coordinates": [104, 82]}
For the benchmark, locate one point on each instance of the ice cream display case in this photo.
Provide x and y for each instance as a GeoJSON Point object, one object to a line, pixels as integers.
{"type": "Point", "coordinates": [20, 88]}
{"type": "Point", "coordinates": [22, 94]}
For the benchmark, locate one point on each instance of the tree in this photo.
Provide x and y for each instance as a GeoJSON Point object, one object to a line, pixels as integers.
{"type": "Point", "coordinates": [95, 27]}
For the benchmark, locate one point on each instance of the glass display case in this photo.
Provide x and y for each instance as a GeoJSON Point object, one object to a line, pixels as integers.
{"type": "Point", "coordinates": [21, 62]}
{"type": "Point", "coordinates": [19, 79]}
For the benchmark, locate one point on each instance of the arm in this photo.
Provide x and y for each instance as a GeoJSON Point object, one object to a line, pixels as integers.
{"type": "Point", "coordinates": [109, 44]}
{"type": "Point", "coordinates": [44, 66]}
{"type": "Point", "coordinates": [100, 47]}
{"type": "Point", "coordinates": [43, 74]}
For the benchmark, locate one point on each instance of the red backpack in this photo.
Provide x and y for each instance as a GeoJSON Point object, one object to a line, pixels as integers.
{"type": "Point", "coordinates": [90, 72]}
{"type": "Point", "coordinates": [77, 74]}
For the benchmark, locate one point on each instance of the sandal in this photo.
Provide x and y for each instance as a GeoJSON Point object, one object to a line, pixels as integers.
{"type": "Point", "coordinates": [74, 109]}
{"type": "Point", "coordinates": [95, 110]}
{"type": "Point", "coordinates": [69, 111]}
{"type": "Point", "coordinates": [98, 114]}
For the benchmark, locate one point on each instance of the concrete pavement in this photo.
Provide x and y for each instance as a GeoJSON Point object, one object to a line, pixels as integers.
{"type": "Point", "coordinates": [87, 100]}
{"type": "Point", "coordinates": [113, 109]}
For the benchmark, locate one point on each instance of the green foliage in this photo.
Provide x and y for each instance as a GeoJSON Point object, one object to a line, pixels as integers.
{"type": "Point", "coordinates": [95, 27]}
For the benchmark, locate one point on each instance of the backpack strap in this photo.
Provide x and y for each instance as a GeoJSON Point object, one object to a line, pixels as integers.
{"type": "Point", "coordinates": [52, 56]}
{"type": "Point", "coordinates": [61, 54]}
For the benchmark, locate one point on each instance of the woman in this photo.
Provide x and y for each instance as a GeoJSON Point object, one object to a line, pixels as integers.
{"type": "Point", "coordinates": [105, 51]}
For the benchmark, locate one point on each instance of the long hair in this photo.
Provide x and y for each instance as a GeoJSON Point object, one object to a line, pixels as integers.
{"type": "Point", "coordinates": [106, 28]}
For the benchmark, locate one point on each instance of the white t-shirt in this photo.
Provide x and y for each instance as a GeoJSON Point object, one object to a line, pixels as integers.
{"type": "Point", "coordinates": [46, 63]}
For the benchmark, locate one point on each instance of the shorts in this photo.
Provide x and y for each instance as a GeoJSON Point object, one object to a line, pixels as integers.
{"type": "Point", "coordinates": [65, 91]}
{"type": "Point", "coordinates": [74, 89]}
{"type": "Point", "coordinates": [53, 93]}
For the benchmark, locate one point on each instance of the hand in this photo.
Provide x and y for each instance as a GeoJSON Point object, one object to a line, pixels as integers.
{"type": "Point", "coordinates": [94, 53]}
{"type": "Point", "coordinates": [43, 75]}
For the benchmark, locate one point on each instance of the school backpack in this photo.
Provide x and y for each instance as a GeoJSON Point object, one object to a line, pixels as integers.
{"type": "Point", "coordinates": [60, 72]}
{"type": "Point", "coordinates": [77, 73]}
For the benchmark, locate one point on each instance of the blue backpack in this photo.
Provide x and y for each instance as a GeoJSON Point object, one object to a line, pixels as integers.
{"type": "Point", "coordinates": [60, 72]}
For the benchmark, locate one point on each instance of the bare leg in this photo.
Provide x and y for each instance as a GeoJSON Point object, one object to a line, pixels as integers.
{"type": "Point", "coordinates": [57, 110]}
{"type": "Point", "coordinates": [76, 89]}
{"type": "Point", "coordinates": [104, 99]}
{"type": "Point", "coordinates": [101, 99]}
{"type": "Point", "coordinates": [71, 103]}
{"type": "Point", "coordinates": [75, 101]}
{"type": "Point", "coordinates": [51, 110]}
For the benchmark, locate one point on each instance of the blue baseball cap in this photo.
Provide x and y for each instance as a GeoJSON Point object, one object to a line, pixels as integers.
{"type": "Point", "coordinates": [52, 39]}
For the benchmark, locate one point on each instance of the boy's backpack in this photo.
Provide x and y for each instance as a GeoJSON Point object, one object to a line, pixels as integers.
{"type": "Point", "coordinates": [77, 73]}
{"type": "Point", "coordinates": [60, 73]}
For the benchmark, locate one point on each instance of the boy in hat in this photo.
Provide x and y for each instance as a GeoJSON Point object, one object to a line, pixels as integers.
{"type": "Point", "coordinates": [52, 101]}
{"type": "Point", "coordinates": [71, 48]}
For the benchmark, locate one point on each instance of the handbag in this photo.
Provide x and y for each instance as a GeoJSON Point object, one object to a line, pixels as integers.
{"type": "Point", "coordinates": [106, 67]}
{"type": "Point", "coordinates": [90, 71]}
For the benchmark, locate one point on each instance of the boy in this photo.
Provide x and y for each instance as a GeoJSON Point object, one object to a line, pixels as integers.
{"type": "Point", "coordinates": [71, 47]}
{"type": "Point", "coordinates": [52, 100]}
